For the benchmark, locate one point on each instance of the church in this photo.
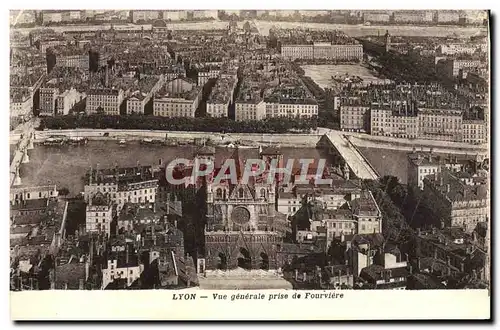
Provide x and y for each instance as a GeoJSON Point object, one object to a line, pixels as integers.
{"type": "Point", "coordinates": [242, 225]}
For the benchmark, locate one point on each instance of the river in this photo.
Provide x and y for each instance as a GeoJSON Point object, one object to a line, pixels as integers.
{"type": "Point", "coordinates": [65, 166]}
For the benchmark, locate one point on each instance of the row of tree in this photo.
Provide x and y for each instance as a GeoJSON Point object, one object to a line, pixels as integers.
{"type": "Point", "coordinates": [225, 125]}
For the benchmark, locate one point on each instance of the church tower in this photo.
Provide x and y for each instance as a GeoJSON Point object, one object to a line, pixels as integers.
{"type": "Point", "coordinates": [387, 41]}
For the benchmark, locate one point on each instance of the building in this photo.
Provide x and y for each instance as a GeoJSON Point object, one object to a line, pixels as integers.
{"type": "Point", "coordinates": [461, 199]}
{"type": "Point", "coordinates": [133, 214]}
{"type": "Point", "coordinates": [474, 131]}
{"type": "Point", "coordinates": [453, 68]}
{"type": "Point", "coordinates": [121, 265]}
{"type": "Point", "coordinates": [354, 117]}
{"type": "Point", "coordinates": [221, 97]}
{"type": "Point", "coordinates": [21, 103]}
{"type": "Point", "coordinates": [250, 110]}
{"type": "Point", "coordinates": [17, 195]}
{"type": "Point", "coordinates": [73, 61]}
{"type": "Point", "coordinates": [144, 15]}
{"type": "Point", "coordinates": [396, 119]}
{"type": "Point", "coordinates": [206, 73]}
{"type": "Point", "coordinates": [243, 227]}
{"type": "Point", "coordinates": [176, 104]}
{"type": "Point", "coordinates": [288, 203]}
{"type": "Point", "coordinates": [447, 16]}
{"type": "Point", "coordinates": [293, 52]}
{"type": "Point", "coordinates": [105, 100]}
{"type": "Point", "coordinates": [323, 50]}
{"type": "Point", "coordinates": [461, 48]}
{"type": "Point", "coordinates": [99, 214]}
{"type": "Point", "coordinates": [174, 15]}
{"type": "Point", "coordinates": [420, 165]}
{"type": "Point", "coordinates": [413, 17]}
{"type": "Point", "coordinates": [66, 100]}
{"type": "Point", "coordinates": [359, 215]}
{"type": "Point", "coordinates": [454, 249]}
{"type": "Point", "coordinates": [440, 124]}
{"type": "Point", "coordinates": [125, 185]}
{"type": "Point", "coordinates": [376, 17]}
{"type": "Point", "coordinates": [147, 87]}
{"type": "Point", "coordinates": [205, 14]}
{"type": "Point", "coordinates": [51, 17]}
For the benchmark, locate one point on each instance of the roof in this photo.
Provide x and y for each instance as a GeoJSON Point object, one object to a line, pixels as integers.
{"type": "Point", "coordinates": [376, 272]}
{"type": "Point", "coordinates": [424, 281]}
{"type": "Point", "coordinates": [31, 204]}
{"type": "Point", "coordinates": [455, 187]}
{"type": "Point", "coordinates": [70, 274]}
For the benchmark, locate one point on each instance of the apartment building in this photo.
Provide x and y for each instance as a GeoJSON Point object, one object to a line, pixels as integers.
{"type": "Point", "coordinates": [181, 104]}
{"type": "Point", "coordinates": [138, 99]}
{"type": "Point", "coordinates": [99, 214]}
{"type": "Point", "coordinates": [355, 117]}
{"type": "Point", "coordinates": [21, 103]}
{"type": "Point", "coordinates": [105, 100]}
{"type": "Point", "coordinates": [420, 165]}
{"type": "Point", "coordinates": [396, 120]}
{"type": "Point", "coordinates": [474, 131]}
{"type": "Point", "coordinates": [440, 124]}
{"type": "Point", "coordinates": [461, 199]}
{"type": "Point", "coordinates": [123, 185]}
{"type": "Point", "coordinates": [145, 15]}
{"type": "Point", "coordinates": [413, 16]}
{"type": "Point", "coordinates": [250, 109]}
{"type": "Point", "coordinates": [221, 96]}
{"type": "Point", "coordinates": [174, 15]}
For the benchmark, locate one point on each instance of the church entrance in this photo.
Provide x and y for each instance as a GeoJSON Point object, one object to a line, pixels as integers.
{"type": "Point", "coordinates": [244, 259]}
{"type": "Point", "coordinates": [222, 262]}
{"type": "Point", "coordinates": [264, 261]}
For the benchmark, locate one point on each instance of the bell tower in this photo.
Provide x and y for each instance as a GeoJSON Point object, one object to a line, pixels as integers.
{"type": "Point", "coordinates": [387, 41]}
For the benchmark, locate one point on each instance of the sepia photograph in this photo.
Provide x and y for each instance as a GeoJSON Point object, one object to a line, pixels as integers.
{"type": "Point", "coordinates": [238, 156]}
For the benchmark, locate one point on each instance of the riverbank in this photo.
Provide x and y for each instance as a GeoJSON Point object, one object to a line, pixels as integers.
{"type": "Point", "coordinates": [292, 140]}
{"type": "Point", "coordinates": [251, 139]}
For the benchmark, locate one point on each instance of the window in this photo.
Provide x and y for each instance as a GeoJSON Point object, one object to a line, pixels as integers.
{"type": "Point", "coordinates": [263, 193]}
{"type": "Point", "coordinates": [241, 193]}
{"type": "Point", "coordinates": [219, 193]}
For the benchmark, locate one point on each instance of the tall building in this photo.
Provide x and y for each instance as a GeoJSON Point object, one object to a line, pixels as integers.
{"type": "Point", "coordinates": [99, 213]}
